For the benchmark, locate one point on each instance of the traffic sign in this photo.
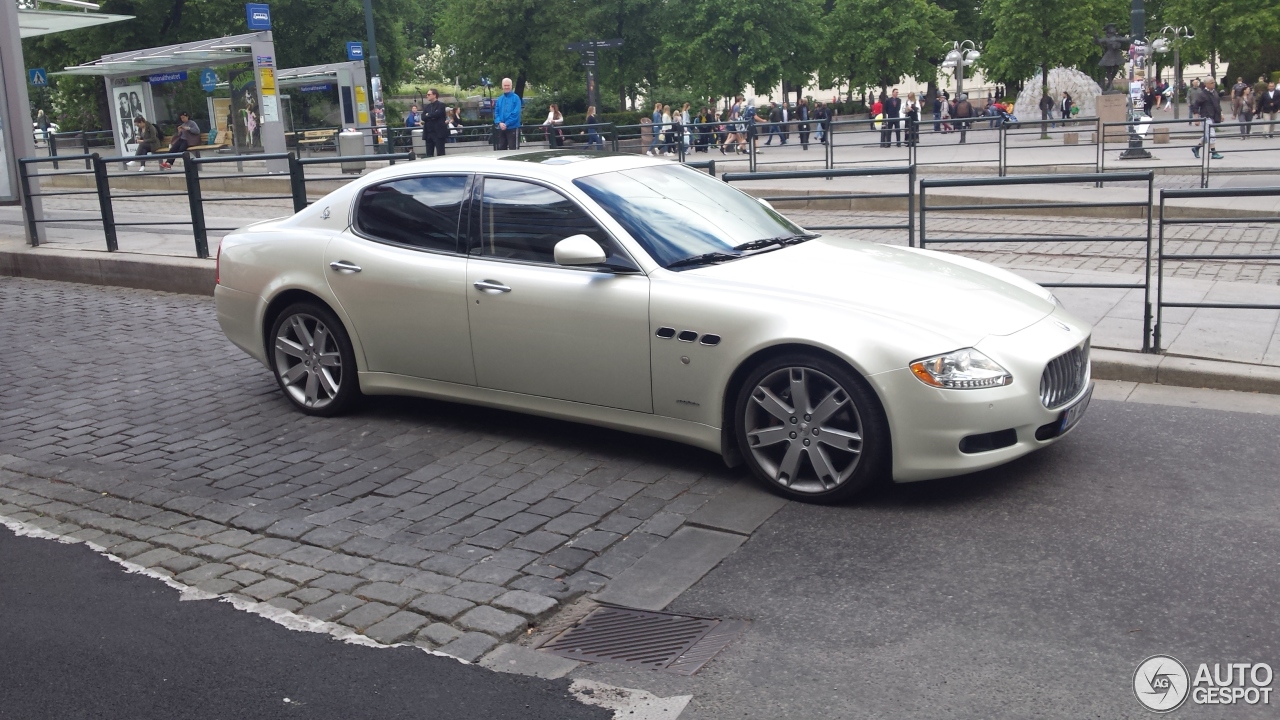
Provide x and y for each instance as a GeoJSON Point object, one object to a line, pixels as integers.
{"type": "Point", "coordinates": [38, 77]}
{"type": "Point", "coordinates": [594, 45]}
{"type": "Point", "coordinates": [355, 51]}
{"type": "Point", "coordinates": [208, 79]}
{"type": "Point", "coordinates": [258, 16]}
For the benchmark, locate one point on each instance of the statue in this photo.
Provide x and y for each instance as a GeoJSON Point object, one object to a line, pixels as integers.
{"type": "Point", "coordinates": [1115, 48]}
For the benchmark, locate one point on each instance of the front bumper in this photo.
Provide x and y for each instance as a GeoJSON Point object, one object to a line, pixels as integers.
{"type": "Point", "coordinates": [929, 423]}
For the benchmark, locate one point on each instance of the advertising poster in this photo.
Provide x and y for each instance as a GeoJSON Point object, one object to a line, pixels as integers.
{"type": "Point", "coordinates": [222, 122]}
{"type": "Point", "coordinates": [246, 115]}
{"type": "Point", "coordinates": [127, 104]}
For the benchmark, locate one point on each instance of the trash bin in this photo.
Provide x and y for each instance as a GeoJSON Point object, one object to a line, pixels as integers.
{"type": "Point", "coordinates": [351, 144]}
{"type": "Point", "coordinates": [419, 144]}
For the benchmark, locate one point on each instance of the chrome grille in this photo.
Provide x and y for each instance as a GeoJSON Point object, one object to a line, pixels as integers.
{"type": "Point", "coordinates": [1065, 376]}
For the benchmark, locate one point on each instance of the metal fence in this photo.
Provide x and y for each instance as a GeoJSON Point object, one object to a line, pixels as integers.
{"type": "Point", "coordinates": [909, 195]}
{"type": "Point", "coordinates": [1078, 138]}
{"type": "Point", "coordinates": [1162, 256]}
{"type": "Point", "coordinates": [1148, 177]}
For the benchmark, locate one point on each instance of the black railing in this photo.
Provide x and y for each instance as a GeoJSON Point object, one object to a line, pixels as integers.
{"type": "Point", "coordinates": [1148, 177]}
{"type": "Point", "coordinates": [909, 195]}
{"type": "Point", "coordinates": [1162, 256]}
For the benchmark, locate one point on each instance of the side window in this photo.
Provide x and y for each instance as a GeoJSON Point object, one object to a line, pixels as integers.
{"type": "Point", "coordinates": [524, 221]}
{"type": "Point", "coordinates": [421, 212]}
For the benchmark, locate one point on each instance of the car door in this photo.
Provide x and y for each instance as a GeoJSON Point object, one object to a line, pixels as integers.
{"type": "Point", "coordinates": [570, 333]}
{"type": "Point", "coordinates": [400, 274]}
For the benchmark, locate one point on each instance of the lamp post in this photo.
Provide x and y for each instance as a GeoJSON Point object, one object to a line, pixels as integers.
{"type": "Point", "coordinates": [1171, 38]}
{"type": "Point", "coordinates": [1138, 53]}
{"type": "Point", "coordinates": [963, 52]}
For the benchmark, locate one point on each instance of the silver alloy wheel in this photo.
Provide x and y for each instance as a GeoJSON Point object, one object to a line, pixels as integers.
{"type": "Point", "coordinates": [308, 361]}
{"type": "Point", "coordinates": [804, 430]}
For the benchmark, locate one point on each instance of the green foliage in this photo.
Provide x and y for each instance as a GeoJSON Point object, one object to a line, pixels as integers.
{"type": "Point", "coordinates": [877, 42]}
{"type": "Point", "coordinates": [1027, 35]}
{"type": "Point", "coordinates": [1235, 30]}
{"type": "Point", "coordinates": [520, 39]}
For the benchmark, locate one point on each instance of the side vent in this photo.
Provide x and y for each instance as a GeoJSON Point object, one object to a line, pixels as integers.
{"type": "Point", "coordinates": [710, 339]}
{"type": "Point", "coordinates": [666, 333]}
{"type": "Point", "coordinates": [687, 336]}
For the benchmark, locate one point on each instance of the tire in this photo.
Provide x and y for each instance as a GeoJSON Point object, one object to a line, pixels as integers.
{"type": "Point", "coordinates": [842, 429]}
{"type": "Point", "coordinates": [312, 360]}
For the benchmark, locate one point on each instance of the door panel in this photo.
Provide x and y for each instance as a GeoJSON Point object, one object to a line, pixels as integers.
{"type": "Point", "coordinates": [562, 333]}
{"type": "Point", "coordinates": [404, 283]}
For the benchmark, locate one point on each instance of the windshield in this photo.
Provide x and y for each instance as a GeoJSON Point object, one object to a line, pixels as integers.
{"type": "Point", "coordinates": [677, 213]}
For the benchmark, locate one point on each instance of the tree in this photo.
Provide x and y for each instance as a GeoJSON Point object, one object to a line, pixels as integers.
{"type": "Point", "coordinates": [521, 39]}
{"type": "Point", "coordinates": [633, 67]}
{"type": "Point", "coordinates": [1031, 34]}
{"type": "Point", "coordinates": [877, 42]}
{"type": "Point", "coordinates": [725, 45]}
{"type": "Point", "coordinates": [1230, 30]}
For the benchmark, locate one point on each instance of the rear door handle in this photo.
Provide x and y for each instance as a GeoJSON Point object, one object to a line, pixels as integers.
{"type": "Point", "coordinates": [491, 286]}
{"type": "Point", "coordinates": [344, 266]}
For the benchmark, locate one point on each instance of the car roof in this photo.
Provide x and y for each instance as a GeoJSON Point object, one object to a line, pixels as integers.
{"type": "Point", "coordinates": [538, 163]}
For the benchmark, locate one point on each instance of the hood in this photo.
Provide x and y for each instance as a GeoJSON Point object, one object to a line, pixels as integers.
{"type": "Point", "coordinates": [962, 299]}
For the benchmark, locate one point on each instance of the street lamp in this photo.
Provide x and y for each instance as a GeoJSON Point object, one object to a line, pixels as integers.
{"type": "Point", "coordinates": [1138, 54]}
{"type": "Point", "coordinates": [1171, 38]}
{"type": "Point", "coordinates": [963, 52]}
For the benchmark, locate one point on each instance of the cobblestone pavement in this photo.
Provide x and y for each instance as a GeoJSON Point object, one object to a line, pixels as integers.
{"type": "Point", "coordinates": [128, 420]}
{"type": "Point", "coordinates": [1118, 257]}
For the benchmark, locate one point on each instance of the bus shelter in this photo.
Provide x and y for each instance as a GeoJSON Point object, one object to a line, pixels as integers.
{"type": "Point", "coordinates": [254, 109]}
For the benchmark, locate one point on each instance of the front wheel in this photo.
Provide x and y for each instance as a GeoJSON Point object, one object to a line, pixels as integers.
{"type": "Point", "coordinates": [312, 359]}
{"type": "Point", "coordinates": [811, 429]}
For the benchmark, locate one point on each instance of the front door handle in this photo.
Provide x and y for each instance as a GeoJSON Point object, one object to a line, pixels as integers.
{"type": "Point", "coordinates": [491, 286]}
{"type": "Point", "coordinates": [344, 266]}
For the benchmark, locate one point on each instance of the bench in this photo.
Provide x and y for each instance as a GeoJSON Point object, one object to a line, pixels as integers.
{"type": "Point", "coordinates": [316, 139]}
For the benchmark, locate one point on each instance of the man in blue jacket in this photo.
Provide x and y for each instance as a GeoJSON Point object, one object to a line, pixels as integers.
{"type": "Point", "coordinates": [506, 118]}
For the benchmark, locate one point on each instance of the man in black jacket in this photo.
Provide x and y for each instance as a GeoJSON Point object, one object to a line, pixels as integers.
{"type": "Point", "coordinates": [1208, 106]}
{"type": "Point", "coordinates": [892, 119]}
{"type": "Point", "coordinates": [435, 127]}
{"type": "Point", "coordinates": [1269, 103]}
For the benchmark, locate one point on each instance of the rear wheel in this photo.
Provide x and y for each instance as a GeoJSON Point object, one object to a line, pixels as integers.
{"type": "Point", "coordinates": [312, 359]}
{"type": "Point", "coordinates": [811, 429]}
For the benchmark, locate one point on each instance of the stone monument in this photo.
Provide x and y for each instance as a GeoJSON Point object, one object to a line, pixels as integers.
{"type": "Point", "coordinates": [1115, 47]}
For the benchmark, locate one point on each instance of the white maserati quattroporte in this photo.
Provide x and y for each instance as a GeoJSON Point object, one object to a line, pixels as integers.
{"type": "Point", "coordinates": [640, 294]}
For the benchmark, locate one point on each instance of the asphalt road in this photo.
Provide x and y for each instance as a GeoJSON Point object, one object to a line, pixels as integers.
{"type": "Point", "coordinates": [1033, 590]}
{"type": "Point", "coordinates": [80, 638]}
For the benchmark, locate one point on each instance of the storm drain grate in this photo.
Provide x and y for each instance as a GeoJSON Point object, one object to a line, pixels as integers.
{"type": "Point", "coordinates": [655, 640]}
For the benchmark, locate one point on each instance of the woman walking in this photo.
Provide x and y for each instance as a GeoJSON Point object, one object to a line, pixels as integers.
{"type": "Point", "coordinates": [593, 137]}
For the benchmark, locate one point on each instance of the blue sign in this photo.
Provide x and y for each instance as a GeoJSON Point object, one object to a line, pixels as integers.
{"type": "Point", "coordinates": [258, 15]}
{"type": "Point", "coordinates": [167, 77]}
{"type": "Point", "coordinates": [38, 77]}
{"type": "Point", "coordinates": [208, 79]}
{"type": "Point", "coordinates": [355, 51]}
{"type": "Point", "coordinates": [316, 88]}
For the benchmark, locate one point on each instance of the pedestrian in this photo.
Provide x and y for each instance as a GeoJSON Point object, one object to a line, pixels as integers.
{"type": "Point", "coordinates": [821, 118]}
{"type": "Point", "coordinates": [454, 121]}
{"type": "Point", "coordinates": [775, 117]}
{"type": "Point", "coordinates": [685, 122]}
{"type": "Point", "coordinates": [187, 135]}
{"type": "Point", "coordinates": [802, 128]}
{"type": "Point", "coordinates": [893, 119]}
{"type": "Point", "coordinates": [1046, 107]}
{"type": "Point", "coordinates": [593, 137]}
{"type": "Point", "coordinates": [1246, 112]}
{"type": "Point", "coordinates": [668, 131]}
{"type": "Point", "coordinates": [1193, 97]}
{"type": "Point", "coordinates": [506, 117]}
{"type": "Point", "coordinates": [42, 122]}
{"type": "Point", "coordinates": [656, 141]}
{"type": "Point", "coordinates": [148, 141]}
{"type": "Point", "coordinates": [963, 114]}
{"type": "Point", "coordinates": [754, 118]}
{"type": "Point", "coordinates": [435, 124]}
{"type": "Point", "coordinates": [912, 115]}
{"type": "Point", "coordinates": [414, 118]}
{"type": "Point", "coordinates": [1065, 105]}
{"type": "Point", "coordinates": [1237, 98]}
{"type": "Point", "coordinates": [785, 129]}
{"type": "Point", "coordinates": [551, 126]}
{"type": "Point", "coordinates": [702, 136]}
{"type": "Point", "coordinates": [1269, 103]}
{"type": "Point", "coordinates": [1209, 107]}
{"type": "Point", "coordinates": [945, 113]}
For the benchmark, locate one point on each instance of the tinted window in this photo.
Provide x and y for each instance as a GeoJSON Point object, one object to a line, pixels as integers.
{"type": "Point", "coordinates": [676, 212]}
{"type": "Point", "coordinates": [422, 211]}
{"type": "Point", "coordinates": [524, 221]}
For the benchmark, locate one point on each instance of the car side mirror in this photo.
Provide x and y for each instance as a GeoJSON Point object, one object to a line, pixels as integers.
{"type": "Point", "coordinates": [579, 250]}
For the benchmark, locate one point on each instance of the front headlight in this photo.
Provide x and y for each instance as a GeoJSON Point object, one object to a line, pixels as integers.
{"type": "Point", "coordinates": [965, 369]}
